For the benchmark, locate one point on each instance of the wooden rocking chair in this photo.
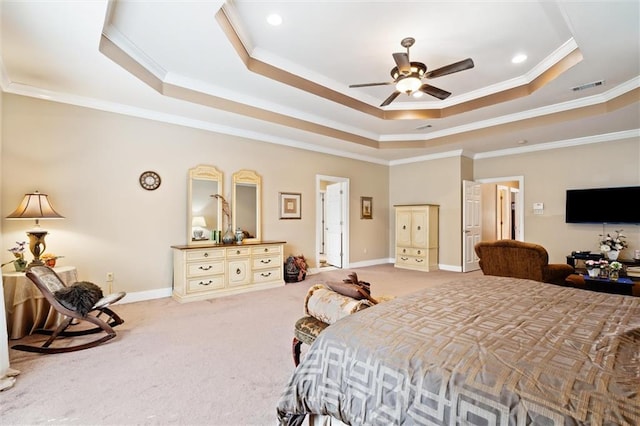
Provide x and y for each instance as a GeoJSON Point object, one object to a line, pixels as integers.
{"type": "Point", "coordinates": [48, 282]}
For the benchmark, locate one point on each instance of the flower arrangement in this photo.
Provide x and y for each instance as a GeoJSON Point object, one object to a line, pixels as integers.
{"type": "Point", "coordinates": [596, 264]}
{"type": "Point", "coordinates": [613, 242]}
{"type": "Point", "coordinates": [18, 252]}
{"type": "Point", "coordinates": [615, 266]}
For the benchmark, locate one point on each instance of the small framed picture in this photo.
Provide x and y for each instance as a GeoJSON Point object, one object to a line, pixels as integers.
{"type": "Point", "coordinates": [366, 207]}
{"type": "Point", "coordinates": [290, 205]}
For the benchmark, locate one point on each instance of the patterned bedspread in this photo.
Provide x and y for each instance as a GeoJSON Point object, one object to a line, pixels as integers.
{"type": "Point", "coordinates": [480, 351]}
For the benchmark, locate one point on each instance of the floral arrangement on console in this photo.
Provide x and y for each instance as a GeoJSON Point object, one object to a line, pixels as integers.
{"type": "Point", "coordinates": [596, 264]}
{"type": "Point", "coordinates": [614, 242]}
{"type": "Point", "coordinates": [615, 266]}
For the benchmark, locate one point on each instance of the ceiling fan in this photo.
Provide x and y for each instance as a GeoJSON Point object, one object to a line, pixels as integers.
{"type": "Point", "coordinates": [407, 75]}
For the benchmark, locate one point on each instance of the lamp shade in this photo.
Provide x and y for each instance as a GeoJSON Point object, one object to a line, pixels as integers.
{"type": "Point", "coordinates": [35, 206]}
{"type": "Point", "coordinates": [198, 221]}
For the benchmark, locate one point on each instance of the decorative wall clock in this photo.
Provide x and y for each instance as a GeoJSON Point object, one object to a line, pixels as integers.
{"type": "Point", "coordinates": [150, 180]}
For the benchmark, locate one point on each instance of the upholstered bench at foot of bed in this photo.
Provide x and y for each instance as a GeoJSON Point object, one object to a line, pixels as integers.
{"type": "Point", "coordinates": [328, 305]}
{"type": "Point", "coordinates": [306, 330]}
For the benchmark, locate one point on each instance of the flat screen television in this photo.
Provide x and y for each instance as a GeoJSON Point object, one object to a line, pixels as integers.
{"type": "Point", "coordinates": [603, 205]}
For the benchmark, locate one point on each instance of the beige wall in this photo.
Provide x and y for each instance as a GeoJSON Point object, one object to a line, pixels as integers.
{"type": "Point", "coordinates": [89, 162]}
{"type": "Point", "coordinates": [547, 176]}
{"type": "Point", "coordinates": [432, 182]}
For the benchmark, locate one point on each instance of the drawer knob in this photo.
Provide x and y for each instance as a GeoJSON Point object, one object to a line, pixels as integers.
{"type": "Point", "coordinates": [419, 228]}
{"type": "Point", "coordinates": [205, 283]}
{"type": "Point", "coordinates": [419, 260]}
{"type": "Point", "coordinates": [238, 271]}
{"type": "Point", "coordinates": [204, 268]}
{"type": "Point", "coordinates": [419, 251]}
{"type": "Point", "coordinates": [266, 249]}
{"type": "Point", "coordinates": [206, 255]}
{"type": "Point", "coordinates": [404, 227]}
{"type": "Point", "coordinates": [404, 258]}
{"type": "Point", "coordinates": [266, 275]}
{"type": "Point", "coordinates": [265, 261]}
{"type": "Point", "coordinates": [237, 251]}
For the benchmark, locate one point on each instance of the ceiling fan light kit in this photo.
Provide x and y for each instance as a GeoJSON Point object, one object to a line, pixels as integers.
{"type": "Point", "coordinates": [407, 76]}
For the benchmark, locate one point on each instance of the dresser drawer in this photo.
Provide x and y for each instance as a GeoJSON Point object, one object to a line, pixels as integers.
{"type": "Point", "coordinates": [207, 283]}
{"type": "Point", "coordinates": [196, 269]}
{"type": "Point", "coordinates": [411, 251]}
{"type": "Point", "coordinates": [238, 251]}
{"type": "Point", "coordinates": [266, 262]}
{"type": "Point", "coordinates": [204, 254]}
{"type": "Point", "coordinates": [265, 275]}
{"type": "Point", "coordinates": [410, 260]}
{"type": "Point", "coordinates": [266, 250]}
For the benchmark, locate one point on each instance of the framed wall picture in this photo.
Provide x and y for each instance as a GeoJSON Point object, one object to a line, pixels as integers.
{"type": "Point", "coordinates": [290, 205]}
{"type": "Point", "coordinates": [366, 207]}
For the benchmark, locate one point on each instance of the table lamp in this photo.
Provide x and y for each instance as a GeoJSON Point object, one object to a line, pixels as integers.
{"type": "Point", "coordinates": [35, 206]}
{"type": "Point", "coordinates": [197, 223]}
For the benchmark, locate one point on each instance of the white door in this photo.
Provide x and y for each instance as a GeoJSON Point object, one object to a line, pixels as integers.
{"type": "Point", "coordinates": [472, 224]}
{"type": "Point", "coordinates": [333, 224]}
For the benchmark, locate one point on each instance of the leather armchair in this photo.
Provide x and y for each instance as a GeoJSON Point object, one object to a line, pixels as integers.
{"type": "Point", "coordinates": [519, 259]}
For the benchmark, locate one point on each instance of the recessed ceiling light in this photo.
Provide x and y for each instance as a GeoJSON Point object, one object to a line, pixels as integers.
{"type": "Point", "coordinates": [519, 58]}
{"type": "Point", "coordinates": [274, 19]}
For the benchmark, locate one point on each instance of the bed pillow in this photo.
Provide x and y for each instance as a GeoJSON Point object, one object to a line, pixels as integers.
{"type": "Point", "coordinates": [79, 296]}
{"type": "Point", "coordinates": [326, 305]}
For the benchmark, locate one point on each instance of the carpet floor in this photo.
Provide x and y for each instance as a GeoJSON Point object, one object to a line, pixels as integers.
{"type": "Point", "coordinates": [216, 362]}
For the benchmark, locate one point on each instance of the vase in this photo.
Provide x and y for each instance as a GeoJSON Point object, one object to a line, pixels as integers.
{"type": "Point", "coordinates": [614, 274]}
{"type": "Point", "coordinates": [594, 272]}
{"type": "Point", "coordinates": [20, 265]}
{"type": "Point", "coordinates": [239, 236]}
{"type": "Point", "coordinates": [228, 236]}
{"type": "Point", "coordinates": [613, 254]}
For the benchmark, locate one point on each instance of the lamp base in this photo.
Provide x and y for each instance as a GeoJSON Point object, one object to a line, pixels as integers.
{"type": "Point", "coordinates": [37, 246]}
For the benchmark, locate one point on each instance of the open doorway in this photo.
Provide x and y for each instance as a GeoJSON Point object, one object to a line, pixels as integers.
{"type": "Point", "coordinates": [492, 209]}
{"type": "Point", "coordinates": [332, 224]}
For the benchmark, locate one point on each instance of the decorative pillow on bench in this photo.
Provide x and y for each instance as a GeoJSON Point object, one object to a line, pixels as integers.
{"type": "Point", "coordinates": [353, 287]}
{"type": "Point", "coordinates": [328, 306]}
{"type": "Point", "coordinates": [79, 296]}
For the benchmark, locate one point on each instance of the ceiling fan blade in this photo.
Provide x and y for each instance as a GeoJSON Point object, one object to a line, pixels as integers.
{"type": "Point", "coordinates": [371, 84]}
{"type": "Point", "coordinates": [402, 61]}
{"type": "Point", "coordinates": [434, 91]}
{"type": "Point", "coordinates": [390, 98]}
{"type": "Point", "coordinates": [450, 69]}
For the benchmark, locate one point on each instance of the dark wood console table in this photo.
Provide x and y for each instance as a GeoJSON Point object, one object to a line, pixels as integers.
{"type": "Point", "coordinates": [604, 285]}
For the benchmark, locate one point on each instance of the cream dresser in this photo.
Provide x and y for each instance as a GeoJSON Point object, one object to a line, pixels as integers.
{"type": "Point", "coordinates": [417, 237]}
{"type": "Point", "coordinates": [207, 271]}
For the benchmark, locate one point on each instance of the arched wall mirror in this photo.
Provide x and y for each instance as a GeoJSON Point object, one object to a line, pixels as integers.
{"type": "Point", "coordinates": [204, 210]}
{"type": "Point", "coordinates": [247, 204]}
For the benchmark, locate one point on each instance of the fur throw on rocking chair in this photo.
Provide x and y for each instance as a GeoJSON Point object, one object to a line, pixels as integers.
{"type": "Point", "coordinates": [79, 296]}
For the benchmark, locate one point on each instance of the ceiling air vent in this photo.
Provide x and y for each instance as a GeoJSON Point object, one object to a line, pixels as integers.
{"type": "Point", "coordinates": [588, 85]}
{"type": "Point", "coordinates": [426, 126]}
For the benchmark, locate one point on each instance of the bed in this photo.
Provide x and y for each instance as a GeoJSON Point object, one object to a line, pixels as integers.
{"type": "Point", "coordinates": [480, 351]}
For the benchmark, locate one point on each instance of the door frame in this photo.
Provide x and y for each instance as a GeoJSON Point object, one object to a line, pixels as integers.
{"type": "Point", "coordinates": [519, 200]}
{"type": "Point", "coordinates": [345, 216]}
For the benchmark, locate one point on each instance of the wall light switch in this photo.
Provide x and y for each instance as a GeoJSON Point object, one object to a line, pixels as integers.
{"type": "Point", "coordinates": [538, 208]}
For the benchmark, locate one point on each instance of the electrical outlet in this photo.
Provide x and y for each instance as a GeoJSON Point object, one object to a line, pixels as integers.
{"type": "Point", "coordinates": [109, 276]}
